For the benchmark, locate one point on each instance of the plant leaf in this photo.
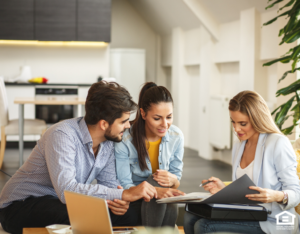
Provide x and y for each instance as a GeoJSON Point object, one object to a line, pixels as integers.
{"type": "Point", "coordinates": [278, 1]}
{"type": "Point", "coordinates": [296, 110]}
{"type": "Point", "coordinates": [294, 64]}
{"type": "Point", "coordinates": [296, 51]}
{"type": "Point", "coordinates": [289, 89]}
{"type": "Point", "coordinates": [281, 31]}
{"type": "Point", "coordinates": [293, 17]}
{"type": "Point", "coordinates": [287, 72]}
{"type": "Point", "coordinates": [281, 115]}
{"type": "Point", "coordinates": [290, 51]}
{"type": "Point", "coordinates": [276, 109]}
{"type": "Point", "coordinates": [288, 130]}
{"type": "Point", "coordinates": [274, 19]}
{"type": "Point", "coordinates": [291, 37]}
{"type": "Point", "coordinates": [277, 60]}
{"type": "Point", "coordinates": [287, 5]}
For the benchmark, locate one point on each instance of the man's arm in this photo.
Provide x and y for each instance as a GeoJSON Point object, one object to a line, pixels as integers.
{"type": "Point", "coordinates": [108, 175]}
{"type": "Point", "coordinates": [60, 153]}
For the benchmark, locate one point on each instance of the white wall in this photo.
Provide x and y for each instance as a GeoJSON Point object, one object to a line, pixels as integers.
{"type": "Point", "coordinates": [268, 36]}
{"type": "Point", "coordinates": [226, 49]}
{"type": "Point", "coordinates": [202, 66]}
{"type": "Point", "coordinates": [229, 74]}
{"type": "Point", "coordinates": [130, 30]}
{"type": "Point", "coordinates": [60, 64]}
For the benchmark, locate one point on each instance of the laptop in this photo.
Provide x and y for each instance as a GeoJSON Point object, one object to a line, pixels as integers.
{"type": "Point", "coordinates": [89, 214]}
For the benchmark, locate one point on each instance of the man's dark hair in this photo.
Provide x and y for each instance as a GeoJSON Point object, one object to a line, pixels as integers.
{"type": "Point", "coordinates": [107, 101]}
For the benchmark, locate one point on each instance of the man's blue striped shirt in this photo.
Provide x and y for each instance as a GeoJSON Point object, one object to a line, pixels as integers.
{"type": "Point", "coordinates": [63, 159]}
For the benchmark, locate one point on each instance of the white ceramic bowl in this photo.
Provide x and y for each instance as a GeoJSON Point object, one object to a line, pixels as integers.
{"type": "Point", "coordinates": [58, 228]}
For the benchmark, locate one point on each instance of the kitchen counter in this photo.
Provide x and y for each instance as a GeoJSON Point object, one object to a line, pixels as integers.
{"type": "Point", "coordinates": [49, 84]}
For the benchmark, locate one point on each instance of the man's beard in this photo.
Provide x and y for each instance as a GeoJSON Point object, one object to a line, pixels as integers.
{"type": "Point", "coordinates": [108, 136]}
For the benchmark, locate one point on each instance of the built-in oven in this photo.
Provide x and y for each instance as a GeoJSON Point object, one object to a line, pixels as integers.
{"type": "Point", "coordinates": [55, 113]}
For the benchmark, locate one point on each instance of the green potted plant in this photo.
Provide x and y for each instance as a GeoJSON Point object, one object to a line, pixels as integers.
{"type": "Point", "coordinates": [290, 33]}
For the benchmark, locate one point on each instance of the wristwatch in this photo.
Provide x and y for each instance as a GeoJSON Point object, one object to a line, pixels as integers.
{"type": "Point", "coordinates": [285, 198]}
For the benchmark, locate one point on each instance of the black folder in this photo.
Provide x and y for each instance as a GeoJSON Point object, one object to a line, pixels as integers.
{"type": "Point", "coordinates": [209, 212]}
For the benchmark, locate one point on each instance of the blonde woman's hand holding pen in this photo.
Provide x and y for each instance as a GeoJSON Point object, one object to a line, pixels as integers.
{"type": "Point", "coordinates": [214, 186]}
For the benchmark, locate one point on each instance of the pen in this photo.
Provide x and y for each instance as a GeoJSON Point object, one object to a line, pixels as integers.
{"type": "Point", "coordinates": [205, 183]}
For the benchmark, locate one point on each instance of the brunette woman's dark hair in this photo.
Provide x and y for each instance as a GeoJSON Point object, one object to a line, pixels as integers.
{"type": "Point", "coordinates": [150, 94]}
{"type": "Point", "coordinates": [107, 101]}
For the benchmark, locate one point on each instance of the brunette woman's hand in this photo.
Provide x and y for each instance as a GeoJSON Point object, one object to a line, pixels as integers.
{"type": "Point", "coordinates": [265, 195]}
{"type": "Point", "coordinates": [168, 192]}
{"type": "Point", "coordinates": [215, 186]}
{"type": "Point", "coordinates": [165, 178]}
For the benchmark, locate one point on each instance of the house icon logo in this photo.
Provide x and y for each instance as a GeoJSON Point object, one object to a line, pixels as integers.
{"type": "Point", "coordinates": [285, 218]}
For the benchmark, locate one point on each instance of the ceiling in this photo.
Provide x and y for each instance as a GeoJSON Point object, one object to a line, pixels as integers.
{"type": "Point", "coordinates": [164, 15]}
{"type": "Point", "coordinates": [229, 10]}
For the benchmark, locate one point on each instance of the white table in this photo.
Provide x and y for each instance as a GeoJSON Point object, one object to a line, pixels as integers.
{"type": "Point", "coordinates": [50, 101]}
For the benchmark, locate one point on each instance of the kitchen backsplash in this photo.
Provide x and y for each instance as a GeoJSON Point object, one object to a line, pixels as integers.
{"type": "Point", "coordinates": [60, 64]}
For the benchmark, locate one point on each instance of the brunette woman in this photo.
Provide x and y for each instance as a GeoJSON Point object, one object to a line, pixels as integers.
{"type": "Point", "coordinates": [152, 151]}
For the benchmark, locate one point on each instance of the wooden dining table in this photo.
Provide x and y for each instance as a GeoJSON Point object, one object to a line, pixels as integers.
{"type": "Point", "coordinates": [37, 101]}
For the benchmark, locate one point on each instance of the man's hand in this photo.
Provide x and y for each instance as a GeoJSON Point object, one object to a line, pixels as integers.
{"type": "Point", "coordinates": [118, 207]}
{"type": "Point", "coordinates": [143, 190]}
{"type": "Point", "coordinates": [165, 178]}
{"type": "Point", "coordinates": [167, 192]}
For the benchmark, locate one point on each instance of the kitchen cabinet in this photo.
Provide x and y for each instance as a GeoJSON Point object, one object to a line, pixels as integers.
{"type": "Point", "coordinates": [17, 19]}
{"type": "Point", "coordinates": [55, 20]}
{"type": "Point", "coordinates": [94, 19]}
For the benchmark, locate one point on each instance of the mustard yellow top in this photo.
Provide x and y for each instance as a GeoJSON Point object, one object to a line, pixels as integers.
{"type": "Point", "coordinates": [153, 151]}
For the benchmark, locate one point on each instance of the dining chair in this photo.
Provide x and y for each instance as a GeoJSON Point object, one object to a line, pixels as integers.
{"type": "Point", "coordinates": [11, 127]}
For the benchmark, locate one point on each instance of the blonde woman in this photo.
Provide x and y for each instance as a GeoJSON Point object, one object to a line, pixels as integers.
{"type": "Point", "coordinates": [267, 157]}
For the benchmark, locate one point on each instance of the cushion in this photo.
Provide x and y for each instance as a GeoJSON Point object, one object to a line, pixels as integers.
{"type": "Point", "coordinates": [31, 127]}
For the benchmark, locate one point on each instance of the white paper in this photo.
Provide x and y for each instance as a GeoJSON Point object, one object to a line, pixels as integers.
{"type": "Point", "coordinates": [190, 196]}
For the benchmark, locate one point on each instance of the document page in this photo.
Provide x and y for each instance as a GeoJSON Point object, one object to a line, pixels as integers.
{"type": "Point", "coordinates": [234, 193]}
{"type": "Point", "coordinates": [188, 197]}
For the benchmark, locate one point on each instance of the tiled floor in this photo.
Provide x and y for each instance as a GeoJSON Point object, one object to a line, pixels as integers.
{"type": "Point", "coordinates": [11, 164]}
{"type": "Point", "coordinates": [196, 169]}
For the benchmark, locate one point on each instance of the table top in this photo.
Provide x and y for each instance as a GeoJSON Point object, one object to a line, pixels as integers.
{"type": "Point", "coordinates": [46, 85]}
{"type": "Point", "coordinates": [44, 230]}
{"type": "Point", "coordinates": [50, 101]}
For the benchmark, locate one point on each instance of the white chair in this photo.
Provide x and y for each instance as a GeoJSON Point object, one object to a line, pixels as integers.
{"type": "Point", "coordinates": [11, 127]}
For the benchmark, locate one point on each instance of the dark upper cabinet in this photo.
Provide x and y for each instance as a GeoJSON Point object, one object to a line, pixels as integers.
{"type": "Point", "coordinates": [55, 20]}
{"type": "Point", "coordinates": [93, 20]}
{"type": "Point", "coordinates": [16, 19]}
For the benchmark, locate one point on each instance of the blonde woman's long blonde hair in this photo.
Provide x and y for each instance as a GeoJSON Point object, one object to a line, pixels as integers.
{"type": "Point", "coordinates": [255, 107]}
